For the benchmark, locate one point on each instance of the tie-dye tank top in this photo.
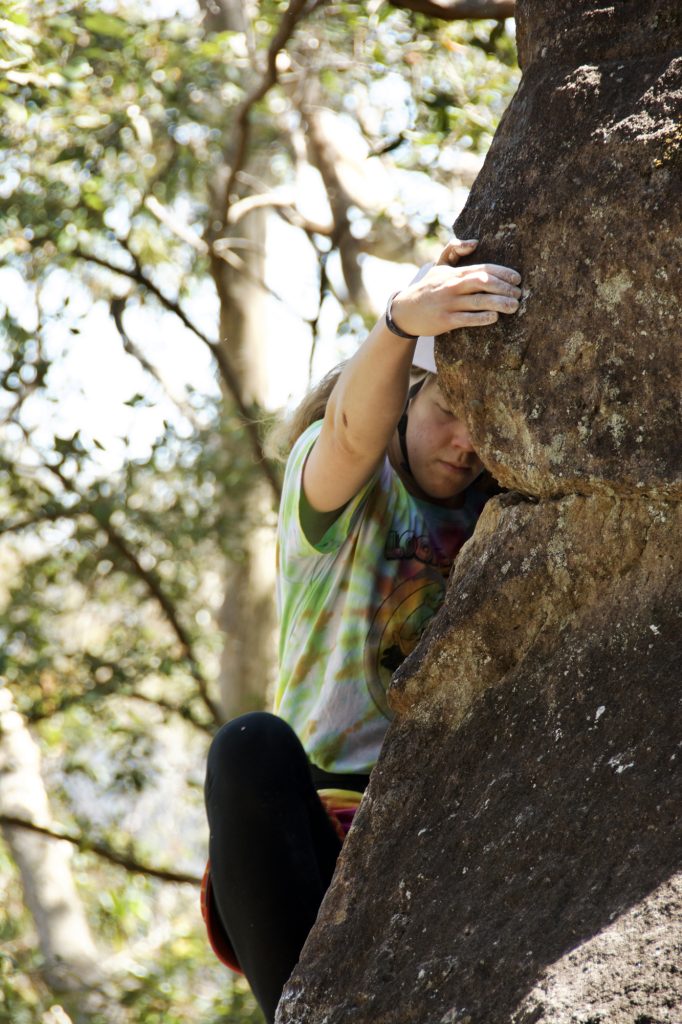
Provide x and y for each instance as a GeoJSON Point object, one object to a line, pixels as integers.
{"type": "Point", "coordinates": [353, 606]}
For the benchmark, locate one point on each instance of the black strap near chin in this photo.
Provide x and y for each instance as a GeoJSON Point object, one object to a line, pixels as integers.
{"type": "Point", "coordinates": [402, 425]}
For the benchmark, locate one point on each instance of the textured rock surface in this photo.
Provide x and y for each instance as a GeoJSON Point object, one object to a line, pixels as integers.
{"type": "Point", "coordinates": [523, 822]}
{"type": "Point", "coordinates": [518, 856]}
{"type": "Point", "coordinates": [581, 192]}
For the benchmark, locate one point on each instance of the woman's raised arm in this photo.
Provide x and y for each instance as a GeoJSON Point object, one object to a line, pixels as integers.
{"type": "Point", "coordinates": [369, 397]}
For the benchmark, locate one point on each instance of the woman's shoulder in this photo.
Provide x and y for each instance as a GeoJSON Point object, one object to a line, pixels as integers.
{"type": "Point", "coordinates": [305, 441]}
{"type": "Point", "coordinates": [297, 456]}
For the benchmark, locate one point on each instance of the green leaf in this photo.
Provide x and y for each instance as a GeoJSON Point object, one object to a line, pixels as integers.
{"type": "Point", "coordinates": [70, 153]}
{"type": "Point", "coordinates": [94, 200]}
{"type": "Point", "coordinates": [96, 53]}
{"type": "Point", "coordinates": [107, 25]}
{"type": "Point", "coordinates": [77, 69]}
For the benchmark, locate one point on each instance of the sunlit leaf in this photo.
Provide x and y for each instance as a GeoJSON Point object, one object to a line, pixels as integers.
{"type": "Point", "coordinates": [106, 25]}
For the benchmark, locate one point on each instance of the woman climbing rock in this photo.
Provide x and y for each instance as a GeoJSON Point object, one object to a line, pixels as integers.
{"type": "Point", "coordinates": [380, 493]}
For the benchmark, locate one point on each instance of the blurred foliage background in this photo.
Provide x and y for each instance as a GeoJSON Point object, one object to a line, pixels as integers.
{"type": "Point", "coordinates": [179, 182]}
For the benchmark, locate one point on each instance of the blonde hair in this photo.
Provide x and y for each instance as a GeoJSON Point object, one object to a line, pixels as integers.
{"type": "Point", "coordinates": [287, 430]}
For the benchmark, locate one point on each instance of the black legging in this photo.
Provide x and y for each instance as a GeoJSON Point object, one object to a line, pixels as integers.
{"type": "Point", "coordinates": [272, 847]}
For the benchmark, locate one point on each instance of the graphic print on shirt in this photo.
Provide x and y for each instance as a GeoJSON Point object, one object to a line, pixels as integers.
{"type": "Point", "coordinates": [397, 626]}
{"type": "Point", "coordinates": [418, 546]}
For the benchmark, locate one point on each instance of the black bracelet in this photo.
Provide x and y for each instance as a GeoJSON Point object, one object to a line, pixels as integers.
{"type": "Point", "coordinates": [391, 324]}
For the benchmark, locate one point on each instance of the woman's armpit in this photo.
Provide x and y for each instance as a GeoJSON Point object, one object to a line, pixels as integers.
{"type": "Point", "coordinates": [313, 523]}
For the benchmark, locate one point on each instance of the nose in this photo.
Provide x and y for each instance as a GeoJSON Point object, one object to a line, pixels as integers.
{"type": "Point", "coordinates": [461, 438]}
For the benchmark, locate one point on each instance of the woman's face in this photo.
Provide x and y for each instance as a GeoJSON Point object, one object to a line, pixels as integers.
{"type": "Point", "coordinates": [442, 457]}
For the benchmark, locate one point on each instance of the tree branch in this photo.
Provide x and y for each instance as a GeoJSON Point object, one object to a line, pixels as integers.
{"type": "Point", "coordinates": [14, 409]}
{"type": "Point", "coordinates": [174, 709]}
{"type": "Point", "coordinates": [225, 367]}
{"type": "Point", "coordinates": [102, 850]}
{"type": "Point", "coordinates": [242, 127]}
{"type": "Point", "coordinates": [454, 10]}
{"type": "Point", "coordinates": [284, 204]}
{"type": "Point", "coordinates": [117, 308]}
{"type": "Point", "coordinates": [44, 515]}
{"type": "Point", "coordinates": [322, 291]}
{"type": "Point", "coordinates": [182, 231]}
{"type": "Point", "coordinates": [223, 247]}
{"type": "Point", "coordinates": [27, 389]}
{"type": "Point", "coordinates": [108, 689]}
{"type": "Point", "coordinates": [155, 588]}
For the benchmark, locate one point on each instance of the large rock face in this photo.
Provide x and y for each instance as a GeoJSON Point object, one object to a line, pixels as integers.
{"type": "Point", "coordinates": [581, 192]}
{"type": "Point", "coordinates": [518, 856]}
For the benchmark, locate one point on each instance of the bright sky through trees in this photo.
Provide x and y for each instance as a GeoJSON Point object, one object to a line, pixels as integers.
{"type": "Point", "coordinates": [134, 488]}
{"type": "Point", "coordinates": [93, 378]}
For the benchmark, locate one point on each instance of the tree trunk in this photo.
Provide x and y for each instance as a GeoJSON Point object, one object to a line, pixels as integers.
{"type": "Point", "coordinates": [517, 858]}
{"type": "Point", "coordinates": [354, 179]}
{"type": "Point", "coordinates": [71, 959]}
{"type": "Point", "coordinates": [247, 617]}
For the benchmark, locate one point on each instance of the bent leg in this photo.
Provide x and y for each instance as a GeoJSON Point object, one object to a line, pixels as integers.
{"type": "Point", "coordinates": [272, 847]}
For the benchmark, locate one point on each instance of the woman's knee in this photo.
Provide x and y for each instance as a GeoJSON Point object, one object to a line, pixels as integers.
{"type": "Point", "coordinates": [251, 748]}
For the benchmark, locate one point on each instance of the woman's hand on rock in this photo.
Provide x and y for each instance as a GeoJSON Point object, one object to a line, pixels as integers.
{"type": "Point", "coordinates": [449, 297]}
